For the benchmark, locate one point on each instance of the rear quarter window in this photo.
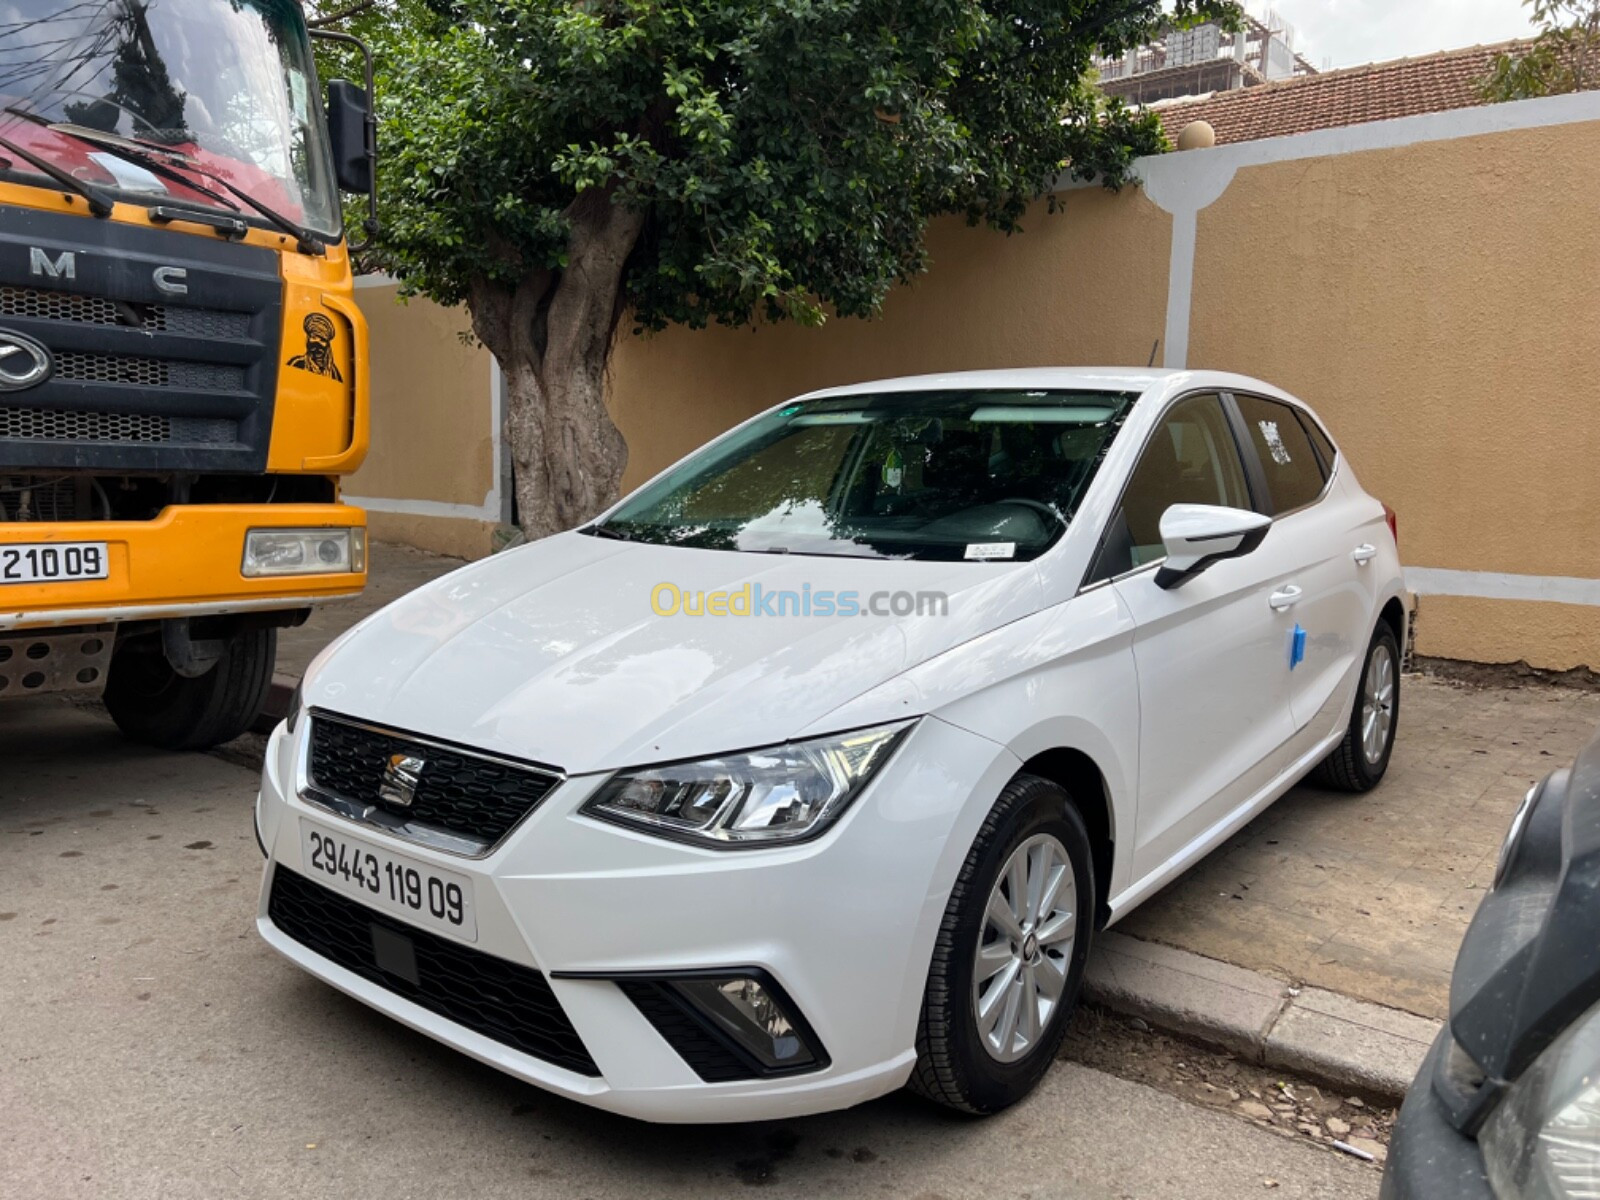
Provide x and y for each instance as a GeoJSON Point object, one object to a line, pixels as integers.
{"type": "Point", "coordinates": [1320, 440]}
{"type": "Point", "coordinates": [1294, 474]}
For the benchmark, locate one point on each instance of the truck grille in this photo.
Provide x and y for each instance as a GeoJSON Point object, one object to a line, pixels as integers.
{"type": "Point", "coordinates": [512, 1004]}
{"type": "Point", "coordinates": [96, 310]}
{"type": "Point", "coordinates": [54, 425]}
{"type": "Point", "coordinates": [461, 792]}
{"type": "Point", "coordinates": [144, 380]}
{"type": "Point", "coordinates": [148, 372]}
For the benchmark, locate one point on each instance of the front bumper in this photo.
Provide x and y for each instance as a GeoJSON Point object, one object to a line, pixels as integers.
{"type": "Point", "coordinates": [845, 925]}
{"type": "Point", "coordinates": [1429, 1159]}
{"type": "Point", "coordinates": [186, 562]}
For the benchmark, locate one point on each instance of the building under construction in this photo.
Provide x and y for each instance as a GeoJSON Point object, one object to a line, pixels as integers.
{"type": "Point", "coordinates": [1205, 59]}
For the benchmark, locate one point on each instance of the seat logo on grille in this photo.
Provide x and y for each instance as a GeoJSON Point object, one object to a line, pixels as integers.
{"type": "Point", "coordinates": [24, 363]}
{"type": "Point", "coordinates": [400, 779]}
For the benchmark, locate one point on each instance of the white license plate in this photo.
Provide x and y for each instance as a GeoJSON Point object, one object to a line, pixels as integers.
{"type": "Point", "coordinates": [52, 562]}
{"type": "Point", "coordinates": [424, 895]}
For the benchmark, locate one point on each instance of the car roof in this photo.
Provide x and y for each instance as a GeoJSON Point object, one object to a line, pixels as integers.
{"type": "Point", "coordinates": [1089, 379]}
{"type": "Point", "coordinates": [1119, 379]}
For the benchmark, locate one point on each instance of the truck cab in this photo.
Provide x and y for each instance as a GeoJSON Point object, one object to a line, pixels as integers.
{"type": "Point", "coordinates": [183, 372]}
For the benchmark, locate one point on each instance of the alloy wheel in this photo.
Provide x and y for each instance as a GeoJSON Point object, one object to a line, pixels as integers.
{"type": "Point", "coordinates": [1025, 948]}
{"type": "Point", "coordinates": [1377, 704]}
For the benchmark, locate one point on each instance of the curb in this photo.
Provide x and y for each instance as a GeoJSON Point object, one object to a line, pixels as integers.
{"type": "Point", "coordinates": [1350, 1045]}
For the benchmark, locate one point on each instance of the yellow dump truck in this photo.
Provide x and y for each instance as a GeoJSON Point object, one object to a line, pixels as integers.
{"type": "Point", "coordinates": [183, 373]}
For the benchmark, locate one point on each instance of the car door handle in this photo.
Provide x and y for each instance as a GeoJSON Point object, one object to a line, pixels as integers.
{"type": "Point", "coordinates": [1364, 553]}
{"type": "Point", "coordinates": [1285, 597]}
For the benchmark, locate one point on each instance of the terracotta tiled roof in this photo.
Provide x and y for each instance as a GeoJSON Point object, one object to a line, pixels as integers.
{"type": "Point", "coordinates": [1405, 87]}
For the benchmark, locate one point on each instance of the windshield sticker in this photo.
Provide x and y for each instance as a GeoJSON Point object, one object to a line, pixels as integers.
{"type": "Point", "coordinates": [129, 176]}
{"type": "Point", "coordinates": [298, 96]}
{"type": "Point", "coordinates": [988, 550]}
{"type": "Point", "coordinates": [894, 470]}
{"type": "Point", "coordinates": [1275, 446]}
{"type": "Point", "coordinates": [318, 358]}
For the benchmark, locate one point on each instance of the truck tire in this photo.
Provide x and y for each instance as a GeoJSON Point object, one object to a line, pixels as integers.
{"type": "Point", "coordinates": [153, 704]}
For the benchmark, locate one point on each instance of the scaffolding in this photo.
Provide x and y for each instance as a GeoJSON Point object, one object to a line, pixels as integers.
{"type": "Point", "coordinates": [1205, 59]}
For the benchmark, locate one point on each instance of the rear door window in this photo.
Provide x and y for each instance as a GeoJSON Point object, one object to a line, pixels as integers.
{"type": "Point", "coordinates": [1294, 476]}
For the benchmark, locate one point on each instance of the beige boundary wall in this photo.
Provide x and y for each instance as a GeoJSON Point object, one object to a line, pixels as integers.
{"type": "Point", "coordinates": [1430, 285]}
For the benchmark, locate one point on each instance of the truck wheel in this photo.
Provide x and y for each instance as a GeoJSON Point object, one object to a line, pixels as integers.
{"type": "Point", "coordinates": [1010, 954]}
{"type": "Point", "coordinates": [152, 703]}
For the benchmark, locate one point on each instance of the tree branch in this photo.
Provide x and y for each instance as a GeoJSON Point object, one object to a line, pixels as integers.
{"type": "Point", "coordinates": [354, 10]}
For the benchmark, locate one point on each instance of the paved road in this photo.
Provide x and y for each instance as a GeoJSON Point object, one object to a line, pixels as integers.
{"type": "Point", "coordinates": [151, 1046]}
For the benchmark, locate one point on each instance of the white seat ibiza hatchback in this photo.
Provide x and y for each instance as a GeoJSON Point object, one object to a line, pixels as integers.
{"type": "Point", "coordinates": [812, 768]}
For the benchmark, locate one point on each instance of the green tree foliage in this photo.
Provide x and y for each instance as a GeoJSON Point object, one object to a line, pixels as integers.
{"type": "Point", "coordinates": [1565, 57]}
{"type": "Point", "coordinates": [559, 165]}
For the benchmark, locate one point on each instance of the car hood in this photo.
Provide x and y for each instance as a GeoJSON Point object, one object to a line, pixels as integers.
{"type": "Point", "coordinates": [553, 653]}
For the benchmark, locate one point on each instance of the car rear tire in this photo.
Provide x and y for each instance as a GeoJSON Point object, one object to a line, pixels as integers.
{"type": "Point", "coordinates": [1009, 959]}
{"type": "Point", "coordinates": [1359, 762]}
{"type": "Point", "coordinates": [153, 704]}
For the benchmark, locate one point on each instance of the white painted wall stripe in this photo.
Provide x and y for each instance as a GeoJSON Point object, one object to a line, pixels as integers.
{"type": "Point", "coordinates": [1488, 585]}
{"type": "Point", "coordinates": [1182, 184]}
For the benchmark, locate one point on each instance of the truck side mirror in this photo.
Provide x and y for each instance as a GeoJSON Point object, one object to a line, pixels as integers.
{"type": "Point", "coordinates": [349, 114]}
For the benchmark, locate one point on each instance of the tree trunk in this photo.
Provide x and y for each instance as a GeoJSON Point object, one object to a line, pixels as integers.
{"type": "Point", "coordinates": [552, 335]}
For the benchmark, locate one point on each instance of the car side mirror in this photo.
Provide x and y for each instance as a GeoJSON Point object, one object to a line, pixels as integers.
{"type": "Point", "coordinates": [1197, 535]}
{"type": "Point", "coordinates": [348, 107]}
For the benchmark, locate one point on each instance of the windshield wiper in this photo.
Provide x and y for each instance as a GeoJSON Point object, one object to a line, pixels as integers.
{"type": "Point", "coordinates": [154, 159]}
{"type": "Point", "coordinates": [605, 531]}
{"type": "Point", "coordinates": [100, 204]}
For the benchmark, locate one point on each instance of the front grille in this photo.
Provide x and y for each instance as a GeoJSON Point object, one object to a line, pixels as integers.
{"type": "Point", "coordinates": [199, 369]}
{"type": "Point", "coordinates": [55, 425]}
{"type": "Point", "coordinates": [502, 1000]}
{"type": "Point", "coordinates": [147, 372]}
{"type": "Point", "coordinates": [458, 791]}
{"type": "Point", "coordinates": [97, 310]}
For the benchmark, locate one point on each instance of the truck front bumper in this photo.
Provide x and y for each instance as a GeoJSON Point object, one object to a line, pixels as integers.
{"type": "Point", "coordinates": [186, 562]}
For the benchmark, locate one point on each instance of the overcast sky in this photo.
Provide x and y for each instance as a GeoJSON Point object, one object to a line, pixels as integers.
{"type": "Point", "coordinates": [1351, 32]}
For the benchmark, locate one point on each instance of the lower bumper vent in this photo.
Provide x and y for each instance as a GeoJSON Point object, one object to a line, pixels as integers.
{"type": "Point", "coordinates": [502, 1000]}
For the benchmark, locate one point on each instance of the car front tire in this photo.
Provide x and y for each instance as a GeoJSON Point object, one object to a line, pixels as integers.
{"type": "Point", "coordinates": [1359, 762]}
{"type": "Point", "coordinates": [1008, 962]}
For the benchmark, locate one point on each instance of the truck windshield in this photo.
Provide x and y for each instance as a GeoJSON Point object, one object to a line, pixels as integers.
{"type": "Point", "coordinates": [925, 475]}
{"type": "Point", "coordinates": [228, 84]}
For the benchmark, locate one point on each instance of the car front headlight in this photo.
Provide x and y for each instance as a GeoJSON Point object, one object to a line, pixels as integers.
{"type": "Point", "coordinates": [764, 797]}
{"type": "Point", "coordinates": [1543, 1140]}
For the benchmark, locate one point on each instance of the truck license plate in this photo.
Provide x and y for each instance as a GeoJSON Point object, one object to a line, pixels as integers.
{"type": "Point", "coordinates": [52, 562]}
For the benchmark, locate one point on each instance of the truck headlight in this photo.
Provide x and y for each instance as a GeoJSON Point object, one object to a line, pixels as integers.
{"type": "Point", "coordinates": [1543, 1140]}
{"type": "Point", "coordinates": [761, 798]}
{"type": "Point", "coordinates": [304, 552]}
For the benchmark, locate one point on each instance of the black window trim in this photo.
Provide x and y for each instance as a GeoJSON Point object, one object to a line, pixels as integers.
{"type": "Point", "coordinates": [1254, 486]}
{"type": "Point", "coordinates": [1253, 459]}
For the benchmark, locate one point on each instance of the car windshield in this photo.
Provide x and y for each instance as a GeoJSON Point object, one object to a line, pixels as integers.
{"type": "Point", "coordinates": [923, 475]}
{"type": "Point", "coordinates": [228, 84]}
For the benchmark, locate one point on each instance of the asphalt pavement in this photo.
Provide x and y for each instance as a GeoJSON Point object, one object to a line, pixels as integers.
{"type": "Point", "coordinates": [151, 1045]}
